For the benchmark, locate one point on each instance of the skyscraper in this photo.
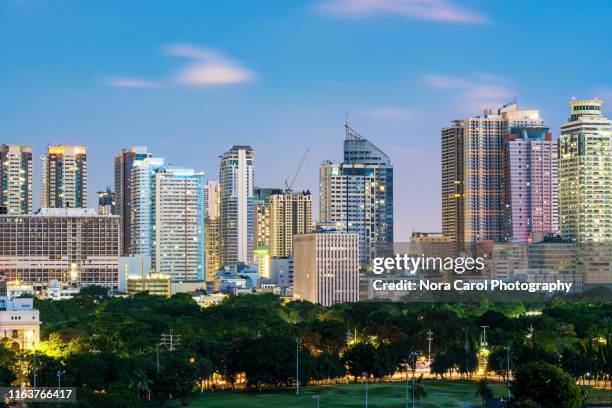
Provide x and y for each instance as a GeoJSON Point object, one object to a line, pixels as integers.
{"type": "Point", "coordinates": [212, 237]}
{"type": "Point", "coordinates": [585, 174]}
{"type": "Point", "coordinates": [480, 211]}
{"type": "Point", "coordinates": [290, 214]}
{"type": "Point", "coordinates": [178, 207]}
{"type": "Point", "coordinates": [236, 215]}
{"type": "Point", "coordinates": [124, 161]}
{"type": "Point", "coordinates": [15, 179]}
{"type": "Point", "coordinates": [530, 184]}
{"type": "Point", "coordinates": [452, 183]}
{"type": "Point", "coordinates": [357, 195]}
{"type": "Point", "coordinates": [142, 219]}
{"type": "Point", "coordinates": [64, 177]}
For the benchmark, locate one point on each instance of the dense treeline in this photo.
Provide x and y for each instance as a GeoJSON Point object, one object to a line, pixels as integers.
{"type": "Point", "coordinates": [108, 346]}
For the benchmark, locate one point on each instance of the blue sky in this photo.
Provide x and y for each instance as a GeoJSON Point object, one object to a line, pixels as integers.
{"type": "Point", "coordinates": [191, 78]}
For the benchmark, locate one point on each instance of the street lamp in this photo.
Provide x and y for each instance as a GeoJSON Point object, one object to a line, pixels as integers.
{"type": "Point", "coordinates": [508, 370]}
{"type": "Point", "coordinates": [365, 373]}
{"type": "Point", "coordinates": [317, 399]}
{"type": "Point", "coordinates": [59, 377]}
{"type": "Point", "coordinates": [414, 355]}
{"type": "Point", "coordinates": [297, 366]}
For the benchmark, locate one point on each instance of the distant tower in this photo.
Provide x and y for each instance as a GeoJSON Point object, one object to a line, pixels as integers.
{"type": "Point", "coordinates": [64, 177]}
{"type": "Point", "coordinates": [15, 179]}
{"type": "Point", "coordinates": [236, 215]}
{"type": "Point", "coordinates": [106, 202]}
{"type": "Point", "coordinates": [212, 233]}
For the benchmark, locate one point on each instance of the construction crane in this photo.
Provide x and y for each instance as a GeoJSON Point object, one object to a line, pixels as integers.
{"type": "Point", "coordinates": [289, 186]}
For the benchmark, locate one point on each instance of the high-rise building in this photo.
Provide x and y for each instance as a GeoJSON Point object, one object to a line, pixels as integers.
{"type": "Point", "coordinates": [357, 195]}
{"type": "Point", "coordinates": [452, 183]}
{"type": "Point", "coordinates": [178, 234]}
{"type": "Point", "coordinates": [290, 214]}
{"type": "Point", "coordinates": [236, 215]}
{"type": "Point", "coordinates": [326, 267]}
{"type": "Point", "coordinates": [64, 177]}
{"type": "Point", "coordinates": [585, 174]}
{"type": "Point", "coordinates": [15, 179]}
{"type": "Point", "coordinates": [212, 233]}
{"type": "Point", "coordinates": [530, 184]}
{"type": "Point", "coordinates": [124, 162]}
{"type": "Point", "coordinates": [261, 234]}
{"type": "Point", "coordinates": [106, 202]}
{"type": "Point", "coordinates": [67, 245]}
{"type": "Point", "coordinates": [142, 220]}
{"type": "Point", "coordinates": [480, 183]}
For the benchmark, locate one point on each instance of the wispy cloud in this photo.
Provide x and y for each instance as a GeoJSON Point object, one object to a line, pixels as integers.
{"type": "Point", "coordinates": [434, 10]}
{"type": "Point", "coordinates": [130, 82]}
{"type": "Point", "coordinates": [205, 67]}
{"type": "Point", "coordinates": [391, 112]}
{"type": "Point", "coordinates": [474, 93]}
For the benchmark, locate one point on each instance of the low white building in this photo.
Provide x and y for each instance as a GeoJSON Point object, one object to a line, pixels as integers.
{"type": "Point", "coordinates": [19, 322]}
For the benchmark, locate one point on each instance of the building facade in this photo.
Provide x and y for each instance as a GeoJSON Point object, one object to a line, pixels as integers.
{"type": "Point", "coordinates": [63, 180]}
{"type": "Point", "coordinates": [585, 174]}
{"type": "Point", "coordinates": [75, 246]}
{"type": "Point", "coordinates": [106, 202]}
{"type": "Point", "coordinates": [357, 195]}
{"type": "Point", "coordinates": [530, 184]}
{"type": "Point", "coordinates": [212, 232]}
{"type": "Point", "coordinates": [452, 183]}
{"type": "Point", "coordinates": [326, 267]}
{"type": "Point", "coordinates": [15, 179]}
{"type": "Point", "coordinates": [236, 214]}
{"type": "Point", "coordinates": [178, 233]}
{"type": "Point", "coordinates": [124, 162]}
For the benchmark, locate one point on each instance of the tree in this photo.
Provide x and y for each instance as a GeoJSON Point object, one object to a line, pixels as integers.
{"type": "Point", "coordinates": [484, 391]}
{"type": "Point", "coordinates": [359, 358]}
{"type": "Point", "coordinates": [140, 383]}
{"type": "Point", "coordinates": [547, 385]}
{"type": "Point", "coordinates": [419, 389]}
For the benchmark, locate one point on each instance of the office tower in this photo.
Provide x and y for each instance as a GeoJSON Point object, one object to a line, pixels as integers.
{"type": "Point", "coordinates": [452, 183]}
{"type": "Point", "coordinates": [212, 237]}
{"type": "Point", "coordinates": [261, 234]}
{"type": "Point", "coordinates": [480, 187]}
{"type": "Point", "coordinates": [585, 174]}
{"type": "Point", "coordinates": [106, 202]}
{"type": "Point", "coordinates": [178, 208]}
{"type": "Point", "coordinates": [357, 195]}
{"type": "Point", "coordinates": [63, 180]}
{"type": "Point", "coordinates": [236, 216]}
{"type": "Point", "coordinates": [124, 162]}
{"type": "Point", "coordinates": [530, 184]}
{"type": "Point", "coordinates": [142, 220]}
{"type": "Point", "coordinates": [15, 179]}
{"type": "Point", "coordinates": [68, 245]}
{"type": "Point", "coordinates": [326, 267]}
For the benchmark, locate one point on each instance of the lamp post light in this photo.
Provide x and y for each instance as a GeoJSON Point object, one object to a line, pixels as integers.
{"type": "Point", "coordinates": [157, 355]}
{"type": "Point", "coordinates": [508, 370]}
{"type": "Point", "coordinates": [59, 377]}
{"type": "Point", "coordinates": [297, 366]}
{"type": "Point", "coordinates": [365, 373]}
{"type": "Point", "coordinates": [317, 399]}
{"type": "Point", "coordinates": [406, 365]}
{"type": "Point", "coordinates": [414, 355]}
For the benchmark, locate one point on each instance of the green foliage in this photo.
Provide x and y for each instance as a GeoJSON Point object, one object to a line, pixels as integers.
{"type": "Point", "coordinates": [547, 385]}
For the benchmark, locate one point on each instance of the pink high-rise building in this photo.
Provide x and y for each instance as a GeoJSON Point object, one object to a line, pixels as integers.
{"type": "Point", "coordinates": [531, 179]}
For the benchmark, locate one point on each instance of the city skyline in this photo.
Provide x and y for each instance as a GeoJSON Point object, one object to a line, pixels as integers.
{"type": "Point", "coordinates": [146, 91]}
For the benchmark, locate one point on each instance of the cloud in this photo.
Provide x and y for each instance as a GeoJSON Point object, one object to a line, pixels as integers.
{"type": "Point", "coordinates": [391, 112]}
{"type": "Point", "coordinates": [433, 10]}
{"type": "Point", "coordinates": [130, 82]}
{"type": "Point", "coordinates": [474, 93]}
{"type": "Point", "coordinates": [207, 67]}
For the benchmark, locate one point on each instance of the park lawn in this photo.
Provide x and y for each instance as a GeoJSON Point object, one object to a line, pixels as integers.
{"type": "Point", "coordinates": [441, 394]}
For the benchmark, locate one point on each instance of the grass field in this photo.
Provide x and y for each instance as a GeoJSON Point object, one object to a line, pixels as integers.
{"type": "Point", "coordinates": [440, 394]}
{"type": "Point", "coordinates": [447, 394]}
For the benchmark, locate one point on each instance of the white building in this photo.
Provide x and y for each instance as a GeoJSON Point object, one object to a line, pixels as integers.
{"type": "Point", "coordinates": [236, 215]}
{"type": "Point", "coordinates": [19, 322]}
{"type": "Point", "coordinates": [326, 267]}
{"type": "Point", "coordinates": [15, 179]}
{"type": "Point", "coordinates": [178, 246]}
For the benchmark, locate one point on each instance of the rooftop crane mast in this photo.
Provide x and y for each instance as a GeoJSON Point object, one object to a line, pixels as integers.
{"type": "Point", "coordinates": [289, 186]}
